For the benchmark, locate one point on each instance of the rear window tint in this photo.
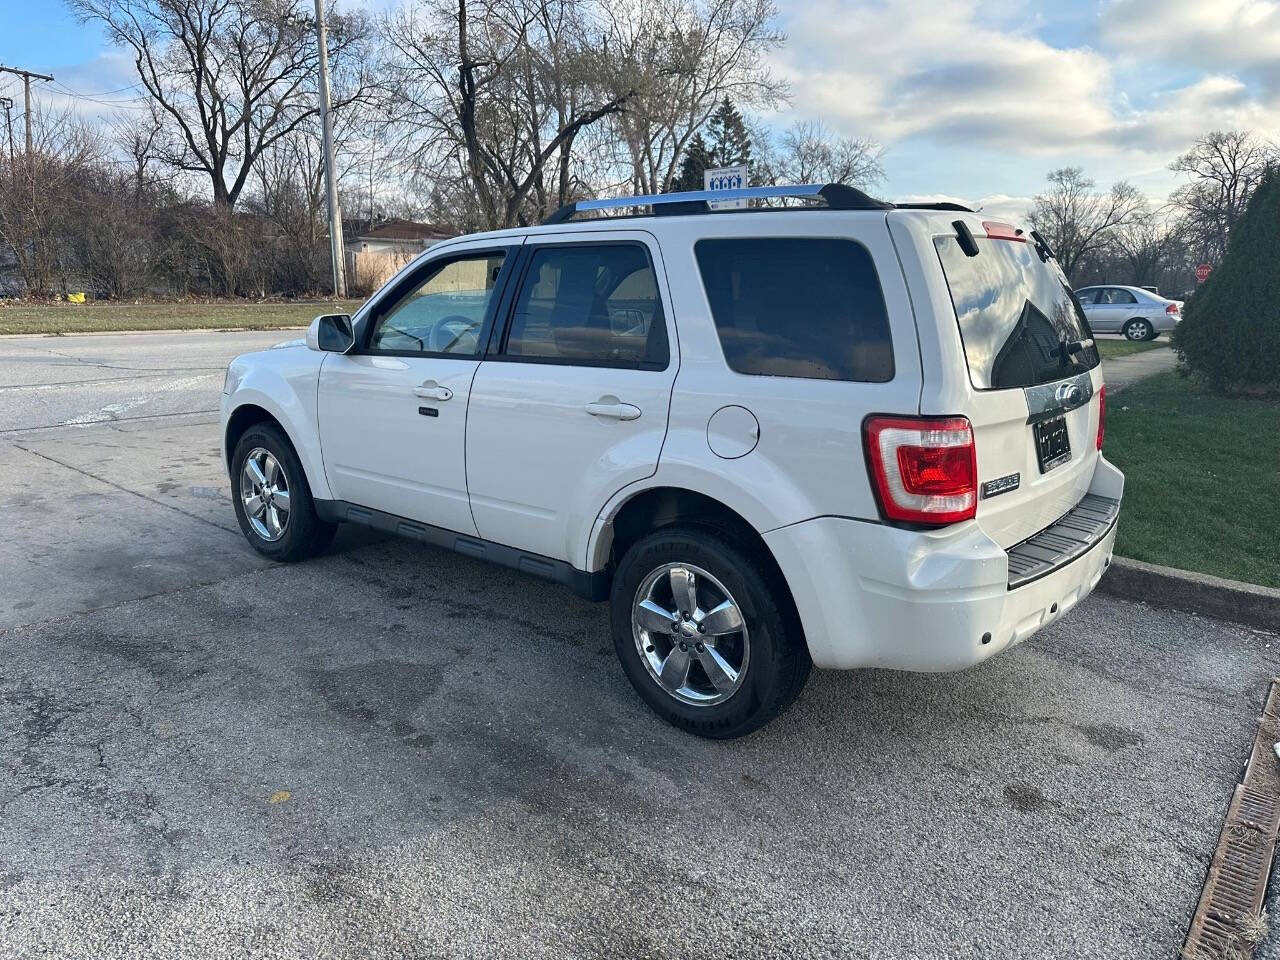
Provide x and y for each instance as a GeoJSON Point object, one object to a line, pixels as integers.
{"type": "Point", "coordinates": [797, 307]}
{"type": "Point", "coordinates": [1015, 312]}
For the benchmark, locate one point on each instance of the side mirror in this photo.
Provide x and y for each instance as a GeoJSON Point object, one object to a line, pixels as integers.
{"type": "Point", "coordinates": [331, 333]}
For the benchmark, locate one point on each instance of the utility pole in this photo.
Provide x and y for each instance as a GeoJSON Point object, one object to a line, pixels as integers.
{"type": "Point", "coordinates": [27, 76]}
{"type": "Point", "coordinates": [7, 103]}
{"type": "Point", "coordinates": [330, 168]}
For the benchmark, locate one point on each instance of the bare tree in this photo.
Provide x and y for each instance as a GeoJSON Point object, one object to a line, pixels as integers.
{"type": "Point", "coordinates": [808, 152]}
{"type": "Point", "coordinates": [1077, 220]}
{"type": "Point", "coordinates": [40, 200]}
{"type": "Point", "coordinates": [1223, 168]}
{"type": "Point", "coordinates": [229, 77]}
{"type": "Point", "coordinates": [684, 58]}
{"type": "Point", "coordinates": [498, 91]}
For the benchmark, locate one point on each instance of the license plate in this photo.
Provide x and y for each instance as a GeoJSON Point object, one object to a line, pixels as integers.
{"type": "Point", "coordinates": [1053, 444]}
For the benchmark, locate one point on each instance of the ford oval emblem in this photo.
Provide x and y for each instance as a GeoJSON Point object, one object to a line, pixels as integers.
{"type": "Point", "coordinates": [1070, 394]}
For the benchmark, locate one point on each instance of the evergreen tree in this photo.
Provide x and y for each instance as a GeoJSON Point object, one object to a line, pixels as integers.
{"type": "Point", "coordinates": [1230, 334]}
{"type": "Point", "coordinates": [697, 158]}
{"type": "Point", "coordinates": [730, 142]}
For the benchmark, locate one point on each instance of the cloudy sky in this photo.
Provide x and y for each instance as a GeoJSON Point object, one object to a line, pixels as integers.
{"type": "Point", "coordinates": [972, 100]}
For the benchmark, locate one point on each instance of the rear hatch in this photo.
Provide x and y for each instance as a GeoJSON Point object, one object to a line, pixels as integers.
{"type": "Point", "coordinates": [1033, 375]}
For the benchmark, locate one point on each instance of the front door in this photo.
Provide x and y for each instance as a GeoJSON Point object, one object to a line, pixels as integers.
{"type": "Point", "coordinates": [571, 404]}
{"type": "Point", "coordinates": [393, 412]}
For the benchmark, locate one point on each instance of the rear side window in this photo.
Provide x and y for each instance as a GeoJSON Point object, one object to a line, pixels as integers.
{"type": "Point", "coordinates": [798, 307]}
{"type": "Point", "coordinates": [1018, 321]}
{"type": "Point", "coordinates": [1086, 297]}
{"type": "Point", "coordinates": [590, 304]}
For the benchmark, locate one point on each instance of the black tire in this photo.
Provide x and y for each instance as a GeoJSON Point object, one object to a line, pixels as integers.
{"type": "Point", "coordinates": [1130, 329]}
{"type": "Point", "coordinates": [304, 534]}
{"type": "Point", "coordinates": [778, 663]}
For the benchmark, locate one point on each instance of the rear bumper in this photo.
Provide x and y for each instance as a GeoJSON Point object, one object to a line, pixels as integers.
{"type": "Point", "coordinates": [871, 595]}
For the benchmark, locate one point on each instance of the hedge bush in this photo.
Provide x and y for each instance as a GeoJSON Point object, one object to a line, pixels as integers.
{"type": "Point", "coordinates": [1230, 331]}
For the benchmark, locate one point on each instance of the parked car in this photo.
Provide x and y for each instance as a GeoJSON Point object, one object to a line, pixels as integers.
{"type": "Point", "coordinates": [1134, 311]}
{"type": "Point", "coordinates": [853, 436]}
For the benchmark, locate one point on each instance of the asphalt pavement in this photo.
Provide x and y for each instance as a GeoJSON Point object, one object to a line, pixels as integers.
{"type": "Point", "coordinates": [392, 751]}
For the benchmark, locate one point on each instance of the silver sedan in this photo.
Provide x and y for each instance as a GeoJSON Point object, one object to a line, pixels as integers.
{"type": "Point", "coordinates": [1137, 313]}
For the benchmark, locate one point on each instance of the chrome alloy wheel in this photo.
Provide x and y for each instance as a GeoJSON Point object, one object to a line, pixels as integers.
{"type": "Point", "coordinates": [264, 491]}
{"type": "Point", "coordinates": [690, 634]}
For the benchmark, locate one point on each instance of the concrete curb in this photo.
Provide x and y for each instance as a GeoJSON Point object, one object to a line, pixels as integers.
{"type": "Point", "coordinates": [1246, 603]}
{"type": "Point", "coordinates": [130, 333]}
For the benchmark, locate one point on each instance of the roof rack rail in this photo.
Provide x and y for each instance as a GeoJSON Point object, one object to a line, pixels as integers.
{"type": "Point", "coordinates": [837, 195]}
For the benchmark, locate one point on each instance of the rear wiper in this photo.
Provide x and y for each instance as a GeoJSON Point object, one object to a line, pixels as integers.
{"type": "Point", "coordinates": [1069, 348]}
{"type": "Point", "coordinates": [1042, 246]}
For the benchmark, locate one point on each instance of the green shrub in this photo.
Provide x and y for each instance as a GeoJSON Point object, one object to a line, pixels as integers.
{"type": "Point", "coordinates": [1230, 331]}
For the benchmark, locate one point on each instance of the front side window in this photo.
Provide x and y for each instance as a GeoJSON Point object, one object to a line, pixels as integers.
{"type": "Point", "coordinates": [442, 313]}
{"type": "Point", "coordinates": [805, 307]}
{"type": "Point", "coordinates": [1018, 322]}
{"type": "Point", "coordinates": [590, 304]}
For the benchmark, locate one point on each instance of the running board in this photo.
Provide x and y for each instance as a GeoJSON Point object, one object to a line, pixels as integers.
{"type": "Point", "coordinates": [590, 586]}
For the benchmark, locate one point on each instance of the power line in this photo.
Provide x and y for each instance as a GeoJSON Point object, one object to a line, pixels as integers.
{"type": "Point", "coordinates": [27, 76]}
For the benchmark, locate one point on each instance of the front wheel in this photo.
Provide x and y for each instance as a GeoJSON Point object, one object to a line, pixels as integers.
{"type": "Point", "coordinates": [273, 499]}
{"type": "Point", "coordinates": [704, 635]}
{"type": "Point", "coordinates": [1139, 329]}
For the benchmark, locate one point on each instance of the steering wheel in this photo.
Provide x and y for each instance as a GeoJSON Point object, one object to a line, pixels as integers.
{"type": "Point", "coordinates": [449, 331]}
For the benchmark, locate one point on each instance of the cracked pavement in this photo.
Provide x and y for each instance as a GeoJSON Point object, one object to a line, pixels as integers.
{"type": "Point", "coordinates": [396, 752]}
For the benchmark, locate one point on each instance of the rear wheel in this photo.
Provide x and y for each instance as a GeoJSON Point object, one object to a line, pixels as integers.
{"type": "Point", "coordinates": [704, 635]}
{"type": "Point", "coordinates": [272, 498]}
{"type": "Point", "coordinates": [1139, 329]}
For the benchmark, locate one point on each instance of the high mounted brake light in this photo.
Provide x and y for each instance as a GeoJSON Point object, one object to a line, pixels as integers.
{"type": "Point", "coordinates": [1002, 231]}
{"type": "Point", "coordinates": [924, 468]}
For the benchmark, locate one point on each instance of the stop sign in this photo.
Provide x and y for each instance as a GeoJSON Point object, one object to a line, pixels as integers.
{"type": "Point", "coordinates": [1202, 272]}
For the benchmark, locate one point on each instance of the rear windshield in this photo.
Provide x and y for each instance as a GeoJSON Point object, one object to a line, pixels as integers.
{"type": "Point", "coordinates": [1017, 315]}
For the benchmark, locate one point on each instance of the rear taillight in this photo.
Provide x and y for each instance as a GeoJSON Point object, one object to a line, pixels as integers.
{"type": "Point", "coordinates": [1102, 414]}
{"type": "Point", "coordinates": [925, 470]}
{"type": "Point", "coordinates": [1171, 308]}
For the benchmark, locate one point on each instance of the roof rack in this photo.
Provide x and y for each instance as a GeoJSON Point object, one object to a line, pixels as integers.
{"type": "Point", "coordinates": [837, 195]}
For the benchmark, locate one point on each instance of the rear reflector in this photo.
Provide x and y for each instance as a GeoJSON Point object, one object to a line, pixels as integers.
{"type": "Point", "coordinates": [924, 469]}
{"type": "Point", "coordinates": [1002, 231]}
{"type": "Point", "coordinates": [1102, 414]}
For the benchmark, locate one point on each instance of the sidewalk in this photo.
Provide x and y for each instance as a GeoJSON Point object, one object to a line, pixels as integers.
{"type": "Point", "coordinates": [1121, 372]}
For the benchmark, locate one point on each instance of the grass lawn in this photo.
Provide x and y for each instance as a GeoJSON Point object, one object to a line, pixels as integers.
{"type": "Point", "coordinates": [1202, 478]}
{"type": "Point", "coordinates": [105, 317]}
{"type": "Point", "coordinates": [1122, 348]}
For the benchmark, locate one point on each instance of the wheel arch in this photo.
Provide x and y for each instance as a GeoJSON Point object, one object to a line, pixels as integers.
{"type": "Point", "coordinates": [654, 508]}
{"type": "Point", "coordinates": [257, 408]}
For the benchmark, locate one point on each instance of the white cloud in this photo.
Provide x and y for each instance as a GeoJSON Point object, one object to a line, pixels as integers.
{"type": "Point", "coordinates": [899, 69]}
{"type": "Point", "coordinates": [1237, 36]}
{"type": "Point", "coordinates": [983, 98]}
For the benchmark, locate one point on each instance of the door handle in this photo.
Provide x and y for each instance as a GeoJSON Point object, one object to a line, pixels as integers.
{"type": "Point", "coordinates": [431, 390]}
{"type": "Point", "coordinates": [611, 408]}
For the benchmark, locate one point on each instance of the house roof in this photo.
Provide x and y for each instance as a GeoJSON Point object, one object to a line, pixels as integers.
{"type": "Point", "coordinates": [396, 228]}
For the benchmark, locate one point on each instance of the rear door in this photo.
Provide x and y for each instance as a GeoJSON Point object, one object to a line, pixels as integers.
{"type": "Point", "coordinates": [1114, 306]}
{"type": "Point", "coordinates": [1032, 379]}
{"type": "Point", "coordinates": [571, 402]}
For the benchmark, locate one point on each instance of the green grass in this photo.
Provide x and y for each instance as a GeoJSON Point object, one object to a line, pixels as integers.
{"type": "Point", "coordinates": [106, 317]}
{"type": "Point", "coordinates": [1202, 478]}
{"type": "Point", "coordinates": [1123, 348]}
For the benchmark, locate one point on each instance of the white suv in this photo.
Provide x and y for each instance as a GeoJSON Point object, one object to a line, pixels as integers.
{"type": "Point", "coordinates": [849, 435]}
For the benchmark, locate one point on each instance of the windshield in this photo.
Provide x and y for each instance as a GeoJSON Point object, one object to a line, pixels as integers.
{"type": "Point", "coordinates": [1018, 320]}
